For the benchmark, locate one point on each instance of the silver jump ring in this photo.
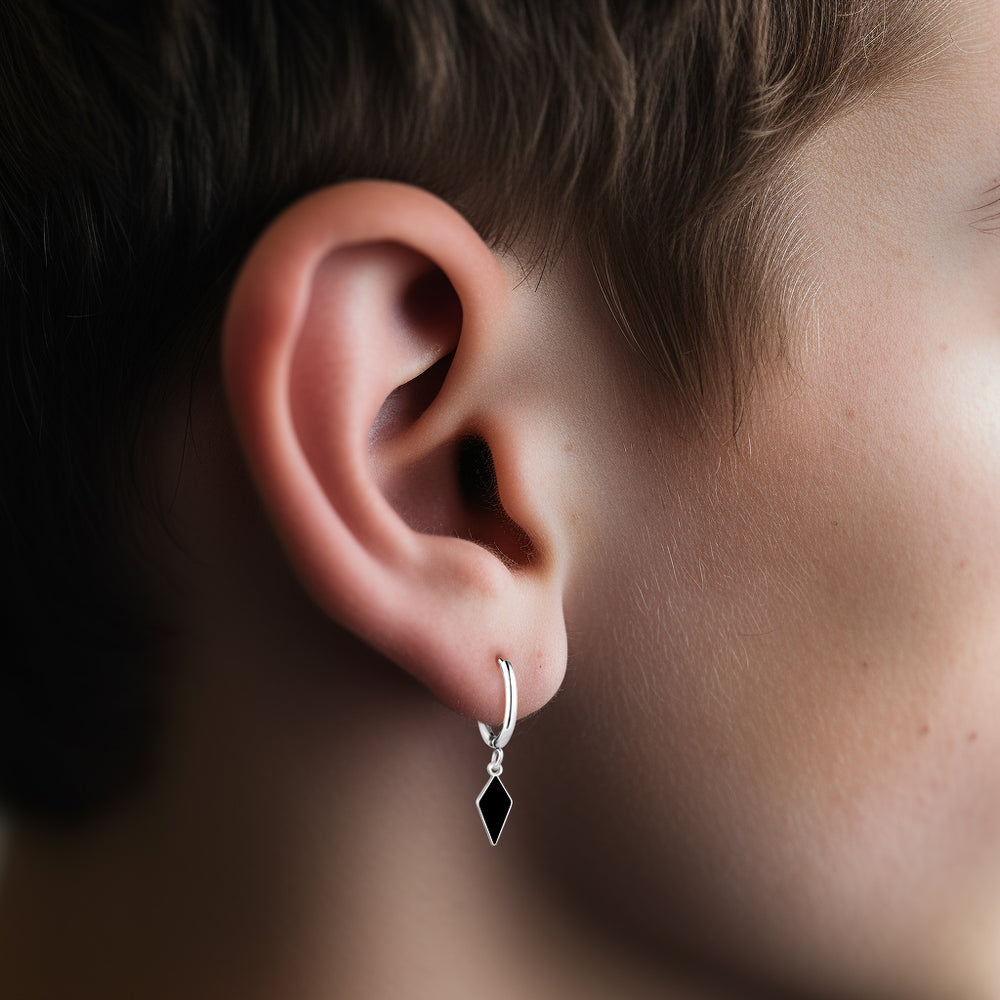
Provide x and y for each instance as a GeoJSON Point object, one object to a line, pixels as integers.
{"type": "Point", "coordinates": [495, 767]}
{"type": "Point", "coordinates": [497, 741]}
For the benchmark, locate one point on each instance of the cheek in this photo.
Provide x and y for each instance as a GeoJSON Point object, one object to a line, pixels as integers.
{"type": "Point", "coordinates": [870, 702]}
{"type": "Point", "coordinates": [792, 671]}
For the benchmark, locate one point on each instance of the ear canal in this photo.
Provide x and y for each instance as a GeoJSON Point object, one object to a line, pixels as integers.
{"type": "Point", "coordinates": [490, 524]}
{"type": "Point", "coordinates": [453, 490]}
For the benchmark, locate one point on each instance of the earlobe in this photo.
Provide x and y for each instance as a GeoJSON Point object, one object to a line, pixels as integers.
{"type": "Point", "coordinates": [363, 339]}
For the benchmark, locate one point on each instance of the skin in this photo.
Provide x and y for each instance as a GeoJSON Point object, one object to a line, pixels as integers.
{"type": "Point", "coordinates": [771, 765]}
{"type": "Point", "coordinates": [804, 743]}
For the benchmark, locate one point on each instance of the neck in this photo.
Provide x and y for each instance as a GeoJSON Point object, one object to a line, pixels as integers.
{"type": "Point", "coordinates": [302, 852]}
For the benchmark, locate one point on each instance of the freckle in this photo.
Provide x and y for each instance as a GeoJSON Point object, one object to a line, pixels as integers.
{"type": "Point", "coordinates": [973, 736]}
{"type": "Point", "coordinates": [865, 665]}
{"type": "Point", "coordinates": [944, 347]}
{"type": "Point", "coordinates": [568, 446]}
{"type": "Point", "coordinates": [924, 729]}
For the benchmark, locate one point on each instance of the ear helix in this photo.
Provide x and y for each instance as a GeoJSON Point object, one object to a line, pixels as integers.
{"type": "Point", "coordinates": [365, 356]}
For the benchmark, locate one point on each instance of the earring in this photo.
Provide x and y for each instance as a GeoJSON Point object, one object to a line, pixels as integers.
{"type": "Point", "coordinates": [494, 802]}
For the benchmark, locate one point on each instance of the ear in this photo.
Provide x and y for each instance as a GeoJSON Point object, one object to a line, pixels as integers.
{"type": "Point", "coordinates": [365, 360]}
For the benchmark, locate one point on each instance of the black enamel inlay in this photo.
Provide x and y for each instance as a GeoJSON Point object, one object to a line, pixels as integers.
{"type": "Point", "coordinates": [494, 803]}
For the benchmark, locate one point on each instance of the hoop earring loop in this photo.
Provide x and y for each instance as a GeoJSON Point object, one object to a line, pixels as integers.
{"type": "Point", "coordinates": [494, 801]}
{"type": "Point", "coordinates": [497, 741]}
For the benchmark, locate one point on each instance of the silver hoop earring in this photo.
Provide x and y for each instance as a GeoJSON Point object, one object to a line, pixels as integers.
{"type": "Point", "coordinates": [494, 801]}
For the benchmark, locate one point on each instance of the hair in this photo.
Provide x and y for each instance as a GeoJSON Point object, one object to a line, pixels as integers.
{"type": "Point", "coordinates": [144, 147]}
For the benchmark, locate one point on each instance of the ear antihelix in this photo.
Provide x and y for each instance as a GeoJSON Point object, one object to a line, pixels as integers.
{"type": "Point", "coordinates": [428, 315]}
{"type": "Point", "coordinates": [406, 403]}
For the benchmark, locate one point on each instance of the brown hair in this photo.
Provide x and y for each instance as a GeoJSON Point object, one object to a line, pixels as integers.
{"type": "Point", "coordinates": [145, 146]}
